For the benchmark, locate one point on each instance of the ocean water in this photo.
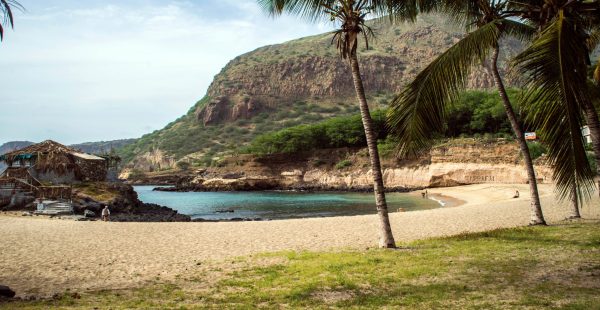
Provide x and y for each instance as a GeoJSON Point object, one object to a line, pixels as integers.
{"type": "Point", "coordinates": [277, 204]}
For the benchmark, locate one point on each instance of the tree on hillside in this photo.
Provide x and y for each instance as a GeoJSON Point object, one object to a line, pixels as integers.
{"type": "Point", "coordinates": [6, 12]}
{"type": "Point", "coordinates": [558, 91]}
{"type": "Point", "coordinates": [419, 111]}
{"type": "Point", "coordinates": [350, 16]}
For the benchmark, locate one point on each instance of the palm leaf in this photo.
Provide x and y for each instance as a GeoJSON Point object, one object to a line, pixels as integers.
{"type": "Point", "coordinates": [419, 111]}
{"type": "Point", "coordinates": [554, 99]}
{"type": "Point", "coordinates": [315, 10]}
{"type": "Point", "coordinates": [518, 30]}
{"type": "Point", "coordinates": [7, 14]}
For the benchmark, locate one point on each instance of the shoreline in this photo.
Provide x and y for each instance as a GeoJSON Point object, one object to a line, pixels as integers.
{"type": "Point", "coordinates": [41, 257]}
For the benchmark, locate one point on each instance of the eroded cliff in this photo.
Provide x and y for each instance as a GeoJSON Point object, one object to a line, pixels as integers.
{"type": "Point", "coordinates": [458, 162]}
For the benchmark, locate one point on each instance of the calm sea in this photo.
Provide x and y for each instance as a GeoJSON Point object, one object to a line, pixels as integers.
{"type": "Point", "coordinates": [277, 204]}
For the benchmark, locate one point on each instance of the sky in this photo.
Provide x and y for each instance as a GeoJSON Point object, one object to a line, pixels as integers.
{"type": "Point", "coordinates": [78, 71]}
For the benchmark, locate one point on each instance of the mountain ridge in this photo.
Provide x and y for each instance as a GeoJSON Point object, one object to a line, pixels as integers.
{"type": "Point", "coordinates": [298, 82]}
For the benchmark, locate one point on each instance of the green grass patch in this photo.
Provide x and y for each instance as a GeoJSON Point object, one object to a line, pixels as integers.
{"type": "Point", "coordinates": [532, 267]}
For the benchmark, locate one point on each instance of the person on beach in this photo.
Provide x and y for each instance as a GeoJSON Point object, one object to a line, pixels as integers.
{"type": "Point", "coordinates": [105, 214]}
{"type": "Point", "coordinates": [39, 204]}
{"type": "Point", "coordinates": [516, 194]}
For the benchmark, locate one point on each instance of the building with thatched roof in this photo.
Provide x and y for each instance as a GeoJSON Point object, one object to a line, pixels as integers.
{"type": "Point", "coordinates": [50, 162]}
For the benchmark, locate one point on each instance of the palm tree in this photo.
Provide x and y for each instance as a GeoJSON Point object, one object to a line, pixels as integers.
{"type": "Point", "coordinates": [418, 112]}
{"type": "Point", "coordinates": [351, 17]}
{"type": "Point", "coordinates": [6, 9]}
{"type": "Point", "coordinates": [558, 93]}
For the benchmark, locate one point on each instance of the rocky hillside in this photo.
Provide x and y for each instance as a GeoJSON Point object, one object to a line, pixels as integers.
{"type": "Point", "coordinates": [297, 82]}
{"type": "Point", "coordinates": [102, 147]}
{"type": "Point", "coordinates": [13, 146]}
{"type": "Point", "coordinates": [451, 163]}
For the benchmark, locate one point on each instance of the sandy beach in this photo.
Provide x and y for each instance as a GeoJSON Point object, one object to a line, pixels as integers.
{"type": "Point", "coordinates": [42, 256]}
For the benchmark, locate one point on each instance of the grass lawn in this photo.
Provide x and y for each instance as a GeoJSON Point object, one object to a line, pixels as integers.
{"type": "Point", "coordinates": [533, 267]}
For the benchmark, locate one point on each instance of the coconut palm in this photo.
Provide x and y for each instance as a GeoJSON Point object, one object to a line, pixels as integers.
{"type": "Point", "coordinates": [418, 112]}
{"type": "Point", "coordinates": [558, 93]}
{"type": "Point", "coordinates": [6, 14]}
{"type": "Point", "coordinates": [351, 15]}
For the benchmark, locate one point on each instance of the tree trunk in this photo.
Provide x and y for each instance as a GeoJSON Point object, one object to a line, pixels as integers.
{"type": "Point", "coordinates": [575, 206]}
{"type": "Point", "coordinates": [591, 117]}
{"type": "Point", "coordinates": [386, 238]}
{"type": "Point", "coordinates": [537, 217]}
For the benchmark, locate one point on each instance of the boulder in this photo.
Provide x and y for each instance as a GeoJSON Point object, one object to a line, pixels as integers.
{"type": "Point", "coordinates": [5, 291]}
{"type": "Point", "coordinates": [89, 213]}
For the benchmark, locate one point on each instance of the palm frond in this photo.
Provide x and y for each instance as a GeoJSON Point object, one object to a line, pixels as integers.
{"type": "Point", "coordinates": [554, 99]}
{"type": "Point", "coordinates": [419, 111]}
{"type": "Point", "coordinates": [519, 30]}
{"type": "Point", "coordinates": [314, 10]}
{"type": "Point", "coordinates": [6, 10]}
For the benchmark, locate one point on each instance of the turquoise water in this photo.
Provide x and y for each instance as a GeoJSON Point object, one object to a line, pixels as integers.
{"type": "Point", "coordinates": [277, 204]}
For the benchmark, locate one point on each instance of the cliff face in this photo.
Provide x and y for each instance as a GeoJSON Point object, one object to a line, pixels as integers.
{"type": "Point", "coordinates": [299, 82]}
{"type": "Point", "coordinates": [455, 163]}
{"type": "Point", "coordinates": [309, 69]}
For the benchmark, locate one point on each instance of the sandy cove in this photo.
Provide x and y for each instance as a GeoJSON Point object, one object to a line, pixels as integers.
{"type": "Point", "coordinates": [41, 256]}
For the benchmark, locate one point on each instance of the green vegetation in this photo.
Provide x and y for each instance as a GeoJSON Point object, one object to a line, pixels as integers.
{"type": "Point", "coordinates": [333, 133]}
{"type": "Point", "coordinates": [530, 267]}
{"type": "Point", "coordinates": [478, 112]}
{"type": "Point", "coordinates": [343, 164]}
{"type": "Point", "coordinates": [536, 149]}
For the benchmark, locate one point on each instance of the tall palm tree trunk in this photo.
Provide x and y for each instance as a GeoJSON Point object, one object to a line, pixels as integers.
{"type": "Point", "coordinates": [537, 217]}
{"type": "Point", "coordinates": [591, 117]}
{"type": "Point", "coordinates": [386, 237]}
{"type": "Point", "coordinates": [575, 206]}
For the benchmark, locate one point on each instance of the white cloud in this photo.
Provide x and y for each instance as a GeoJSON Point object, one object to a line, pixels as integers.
{"type": "Point", "coordinates": [112, 70]}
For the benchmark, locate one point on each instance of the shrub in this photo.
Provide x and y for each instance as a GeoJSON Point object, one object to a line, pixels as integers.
{"type": "Point", "coordinates": [536, 149]}
{"type": "Point", "coordinates": [183, 165]}
{"type": "Point", "coordinates": [343, 164]}
{"type": "Point", "coordinates": [333, 133]}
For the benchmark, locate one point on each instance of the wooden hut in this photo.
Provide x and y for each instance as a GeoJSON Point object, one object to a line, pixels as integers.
{"type": "Point", "coordinates": [51, 163]}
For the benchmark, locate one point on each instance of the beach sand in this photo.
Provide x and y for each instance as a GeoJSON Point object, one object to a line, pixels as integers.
{"type": "Point", "coordinates": [41, 256]}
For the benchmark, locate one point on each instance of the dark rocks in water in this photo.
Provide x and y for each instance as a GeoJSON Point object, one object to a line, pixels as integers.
{"type": "Point", "coordinates": [168, 189]}
{"type": "Point", "coordinates": [225, 211]}
{"type": "Point", "coordinates": [5, 291]}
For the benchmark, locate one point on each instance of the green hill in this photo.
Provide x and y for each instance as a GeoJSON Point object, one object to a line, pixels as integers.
{"type": "Point", "coordinates": [298, 82]}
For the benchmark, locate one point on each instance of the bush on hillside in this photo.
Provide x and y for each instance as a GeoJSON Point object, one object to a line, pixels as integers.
{"type": "Point", "coordinates": [333, 133]}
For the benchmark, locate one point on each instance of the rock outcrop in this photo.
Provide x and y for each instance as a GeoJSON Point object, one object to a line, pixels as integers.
{"type": "Point", "coordinates": [123, 202]}
{"type": "Point", "coordinates": [456, 163]}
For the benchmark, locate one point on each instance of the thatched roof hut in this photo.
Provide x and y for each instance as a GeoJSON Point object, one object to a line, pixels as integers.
{"type": "Point", "coordinates": [53, 162]}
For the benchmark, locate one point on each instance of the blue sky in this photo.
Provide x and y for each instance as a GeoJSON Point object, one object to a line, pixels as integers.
{"type": "Point", "coordinates": [77, 71]}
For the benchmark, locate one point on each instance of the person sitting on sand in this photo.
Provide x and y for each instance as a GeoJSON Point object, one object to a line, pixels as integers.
{"type": "Point", "coordinates": [105, 214]}
{"type": "Point", "coordinates": [516, 194]}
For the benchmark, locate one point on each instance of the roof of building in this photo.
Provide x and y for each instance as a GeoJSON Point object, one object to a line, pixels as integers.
{"type": "Point", "coordinates": [50, 155]}
{"type": "Point", "coordinates": [87, 156]}
{"type": "Point", "coordinates": [45, 147]}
